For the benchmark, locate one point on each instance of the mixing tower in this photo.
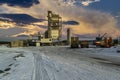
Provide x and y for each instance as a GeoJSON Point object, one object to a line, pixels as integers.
{"type": "Point", "coordinates": [54, 26]}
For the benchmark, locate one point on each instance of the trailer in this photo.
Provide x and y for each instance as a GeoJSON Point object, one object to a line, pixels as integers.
{"type": "Point", "coordinates": [84, 44]}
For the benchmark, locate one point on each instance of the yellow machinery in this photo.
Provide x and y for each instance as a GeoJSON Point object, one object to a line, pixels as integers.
{"type": "Point", "coordinates": [84, 44]}
{"type": "Point", "coordinates": [74, 42]}
{"type": "Point", "coordinates": [46, 41]}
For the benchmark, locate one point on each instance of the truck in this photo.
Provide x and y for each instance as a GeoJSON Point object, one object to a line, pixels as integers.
{"type": "Point", "coordinates": [74, 42]}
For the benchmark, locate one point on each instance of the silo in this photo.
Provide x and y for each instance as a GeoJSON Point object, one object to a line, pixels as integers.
{"type": "Point", "coordinates": [39, 35]}
{"type": "Point", "coordinates": [69, 36]}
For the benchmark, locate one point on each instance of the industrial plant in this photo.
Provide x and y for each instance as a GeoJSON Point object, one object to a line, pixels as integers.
{"type": "Point", "coordinates": [53, 37]}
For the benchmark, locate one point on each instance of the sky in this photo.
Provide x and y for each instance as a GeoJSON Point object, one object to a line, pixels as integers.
{"type": "Point", "coordinates": [86, 18]}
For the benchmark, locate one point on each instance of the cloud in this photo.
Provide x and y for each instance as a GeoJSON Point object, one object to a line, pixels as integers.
{"type": "Point", "coordinates": [7, 25]}
{"type": "Point", "coordinates": [88, 2]}
{"type": "Point", "coordinates": [20, 3]}
{"type": "Point", "coordinates": [30, 30]}
{"type": "Point", "coordinates": [20, 18]}
{"type": "Point", "coordinates": [76, 2]}
{"type": "Point", "coordinates": [7, 32]}
{"type": "Point", "coordinates": [11, 29]}
{"type": "Point", "coordinates": [5, 19]}
{"type": "Point", "coordinates": [70, 22]}
{"type": "Point", "coordinates": [91, 21]}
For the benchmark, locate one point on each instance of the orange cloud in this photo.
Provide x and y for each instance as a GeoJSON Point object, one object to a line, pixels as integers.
{"type": "Point", "coordinates": [30, 30]}
{"type": "Point", "coordinates": [91, 21]}
{"type": "Point", "coordinates": [7, 25]}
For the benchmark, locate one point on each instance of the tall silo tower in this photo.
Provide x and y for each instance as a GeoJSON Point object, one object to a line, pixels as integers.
{"type": "Point", "coordinates": [69, 36]}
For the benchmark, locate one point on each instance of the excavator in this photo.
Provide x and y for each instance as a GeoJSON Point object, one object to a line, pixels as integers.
{"type": "Point", "coordinates": [102, 41]}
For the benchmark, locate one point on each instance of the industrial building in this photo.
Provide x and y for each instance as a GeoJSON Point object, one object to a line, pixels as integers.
{"type": "Point", "coordinates": [13, 42]}
{"type": "Point", "coordinates": [53, 33]}
{"type": "Point", "coordinates": [54, 26]}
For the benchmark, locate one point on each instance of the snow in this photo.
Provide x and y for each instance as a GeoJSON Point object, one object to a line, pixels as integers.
{"type": "Point", "coordinates": [109, 54]}
{"type": "Point", "coordinates": [19, 61]}
{"type": "Point", "coordinates": [60, 63]}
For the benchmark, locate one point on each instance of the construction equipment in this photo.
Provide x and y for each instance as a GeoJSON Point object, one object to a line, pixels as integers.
{"type": "Point", "coordinates": [102, 41]}
{"type": "Point", "coordinates": [99, 40]}
{"type": "Point", "coordinates": [74, 42]}
{"type": "Point", "coordinates": [84, 44]}
{"type": "Point", "coordinates": [110, 41]}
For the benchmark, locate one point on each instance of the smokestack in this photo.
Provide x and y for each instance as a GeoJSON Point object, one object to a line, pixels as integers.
{"type": "Point", "coordinates": [69, 36]}
{"type": "Point", "coordinates": [39, 35]}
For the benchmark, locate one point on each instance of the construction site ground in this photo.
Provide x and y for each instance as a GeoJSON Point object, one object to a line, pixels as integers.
{"type": "Point", "coordinates": [62, 63]}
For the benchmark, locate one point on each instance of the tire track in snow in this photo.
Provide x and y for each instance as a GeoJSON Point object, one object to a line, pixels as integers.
{"type": "Point", "coordinates": [68, 64]}
{"type": "Point", "coordinates": [40, 71]}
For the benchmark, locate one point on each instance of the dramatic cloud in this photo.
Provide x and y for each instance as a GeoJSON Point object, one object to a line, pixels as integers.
{"type": "Point", "coordinates": [8, 29]}
{"type": "Point", "coordinates": [70, 22]}
{"type": "Point", "coordinates": [20, 18]}
{"type": "Point", "coordinates": [7, 25]}
{"type": "Point", "coordinates": [21, 3]}
{"type": "Point", "coordinates": [77, 2]}
{"type": "Point", "coordinates": [11, 29]}
{"type": "Point", "coordinates": [90, 21]}
{"type": "Point", "coordinates": [88, 2]}
{"type": "Point", "coordinates": [30, 30]}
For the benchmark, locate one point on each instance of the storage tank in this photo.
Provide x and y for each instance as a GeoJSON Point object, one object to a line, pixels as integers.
{"type": "Point", "coordinates": [69, 36]}
{"type": "Point", "coordinates": [39, 35]}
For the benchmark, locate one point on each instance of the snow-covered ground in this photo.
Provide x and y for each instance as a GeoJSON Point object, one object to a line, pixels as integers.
{"type": "Point", "coordinates": [16, 64]}
{"type": "Point", "coordinates": [59, 63]}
